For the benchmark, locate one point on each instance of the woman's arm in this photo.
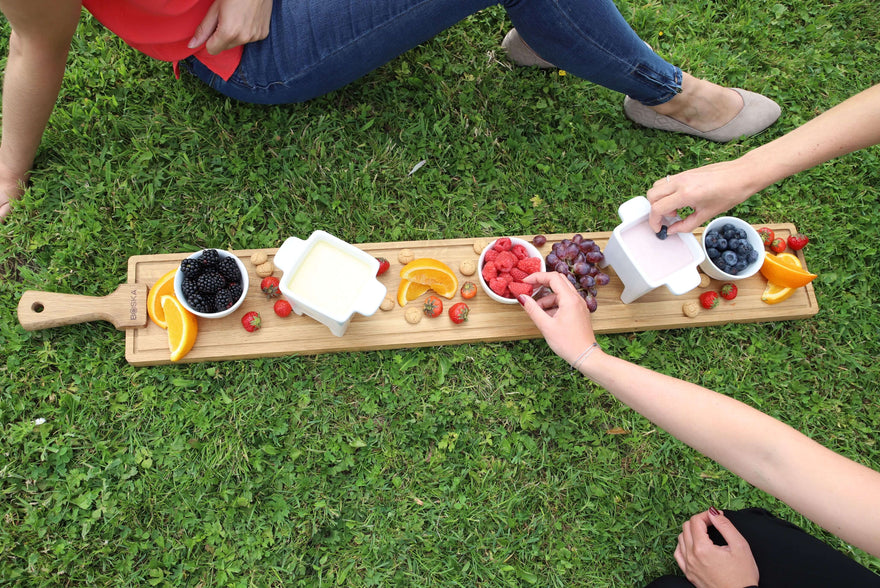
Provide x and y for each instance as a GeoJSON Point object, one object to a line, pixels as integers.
{"type": "Point", "coordinates": [38, 47]}
{"type": "Point", "coordinates": [710, 190]}
{"type": "Point", "coordinates": [834, 492]}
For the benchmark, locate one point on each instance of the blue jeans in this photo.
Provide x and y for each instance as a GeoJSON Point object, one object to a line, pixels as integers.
{"type": "Point", "coordinates": [316, 46]}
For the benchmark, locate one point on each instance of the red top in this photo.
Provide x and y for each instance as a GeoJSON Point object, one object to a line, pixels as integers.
{"type": "Point", "coordinates": [162, 29]}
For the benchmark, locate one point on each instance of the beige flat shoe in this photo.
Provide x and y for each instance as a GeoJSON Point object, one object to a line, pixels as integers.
{"type": "Point", "coordinates": [522, 54]}
{"type": "Point", "coordinates": [758, 113]}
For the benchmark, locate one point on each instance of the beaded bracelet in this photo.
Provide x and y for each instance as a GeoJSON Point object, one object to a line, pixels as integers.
{"type": "Point", "coordinates": [584, 355]}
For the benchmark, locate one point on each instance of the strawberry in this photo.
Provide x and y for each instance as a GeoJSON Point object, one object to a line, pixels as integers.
{"type": "Point", "coordinates": [459, 312]}
{"type": "Point", "coordinates": [777, 245]}
{"type": "Point", "coordinates": [529, 265]}
{"type": "Point", "coordinates": [798, 242]}
{"type": "Point", "coordinates": [271, 287]}
{"type": "Point", "coordinates": [384, 264]}
{"type": "Point", "coordinates": [468, 290]}
{"type": "Point", "coordinates": [518, 288]}
{"type": "Point", "coordinates": [503, 244]}
{"type": "Point", "coordinates": [282, 308]}
{"type": "Point", "coordinates": [709, 300]}
{"type": "Point", "coordinates": [251, 321]}
{"type": "Point", "coordinates": [728, 291]}
{"type": "Point", "coordinates": [433, 306]}
{"type": "Point", "coordinates": [767, 235]}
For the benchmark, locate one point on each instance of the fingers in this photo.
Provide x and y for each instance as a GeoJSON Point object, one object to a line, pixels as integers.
{"type": "Point", "coordinates": [725, 527]}
{"type": "Point", "coordinates": [206, 28]}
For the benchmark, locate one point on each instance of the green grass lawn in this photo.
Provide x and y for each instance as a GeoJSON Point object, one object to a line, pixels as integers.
{"type": "Point", "coordinates": [470, 465]}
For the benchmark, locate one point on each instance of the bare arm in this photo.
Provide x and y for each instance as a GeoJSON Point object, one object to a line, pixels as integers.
{"type": "Point", "coordinates": [834, 492]}
{"type": "Point", "coordinates": [38, 47]}
{"type": "Point", "coordinates": [851, 125]}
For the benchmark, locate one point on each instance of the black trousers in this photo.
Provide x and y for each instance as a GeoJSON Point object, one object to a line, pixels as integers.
{"type": "Point", "coordinates": [787, 556]}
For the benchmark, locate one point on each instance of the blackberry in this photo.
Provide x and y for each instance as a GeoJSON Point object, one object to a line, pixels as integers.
{"type": "Point", "coordinates": [229, 269]}
{"type": "Point", "coordinates": [209, 282]}
{"type": "Point", "coordinates": [236, 289]}
{"type": "Point", "coordinates": [224, 299]}
{"type": "Point", "coordinates": [189, 287]}
{"type": "Point", "coordinates": [209, 258]}
{"type": "Point", "coordinates": [201, 303]}
{"type": "Point", "coordinates": [190, 267]}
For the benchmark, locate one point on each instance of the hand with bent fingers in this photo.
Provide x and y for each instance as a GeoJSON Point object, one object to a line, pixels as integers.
{"type": "Point", "coordinates": [562, 317]}
{"type": "Point", "coordinates": [708, 565]}
{"type": "Point", "coordinates": [710, 190]}
{"type": "Point", "coordinates": [230, 23]}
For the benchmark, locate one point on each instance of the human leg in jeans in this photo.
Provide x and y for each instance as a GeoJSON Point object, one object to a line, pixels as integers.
{"type": "Point", "coordinates": [786, 556]}
{"type": "Point", "coordinates": [316, 46]}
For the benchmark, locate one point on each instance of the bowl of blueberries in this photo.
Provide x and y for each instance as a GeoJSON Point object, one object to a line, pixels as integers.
{"type": "Point", "coordinates": [211, 283]}
{"type": "Point", "coordinates": [733, 248]}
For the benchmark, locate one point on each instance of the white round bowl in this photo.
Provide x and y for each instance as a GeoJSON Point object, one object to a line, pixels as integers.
{"type": "Point", "coordinates": [245, 283]}
{"type": "Point", "coordinates": [754, 239]}
{"type": "Point", "coordinates": [533, 252]}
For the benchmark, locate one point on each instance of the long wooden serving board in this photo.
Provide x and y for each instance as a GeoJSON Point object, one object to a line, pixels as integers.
{"type": "Point", "coordinates": [225, 339]}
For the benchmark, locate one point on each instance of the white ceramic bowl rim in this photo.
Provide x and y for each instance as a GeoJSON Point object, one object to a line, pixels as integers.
{"type": "Point", "coordinates": [533, 252]}
{"type": "Point", "coordinates": [245, 283]}
{"type": "Point", "coordinates": [754, 239]}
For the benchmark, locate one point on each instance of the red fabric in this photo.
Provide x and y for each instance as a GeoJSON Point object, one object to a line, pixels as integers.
{"type": "Point", "coordinates": [162, 29]}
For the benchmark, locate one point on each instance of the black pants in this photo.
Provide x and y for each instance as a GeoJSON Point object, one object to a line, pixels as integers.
{"type": "Point", "coordinates": [787, 556]}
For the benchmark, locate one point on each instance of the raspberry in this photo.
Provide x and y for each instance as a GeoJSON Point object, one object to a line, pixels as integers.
{"type": "Point", "coordinates": [503, 244]}
{"type": "Point", "coordinates": [519, 251]}
{"type": "Point", "coordinates": [529, 265]}
{"type": "Point", "coordinates": [517, 274]}
{"type": "Point", "coordinates": [491, 255]}
{"type": "Point", "coordinates": [498, 286]}
{"type": "Point", "coordinates": [489, 271]}
{"type": "Point", "coordinates": [505, 261]}
{"type": "Point", "coordinates": [518, 288]}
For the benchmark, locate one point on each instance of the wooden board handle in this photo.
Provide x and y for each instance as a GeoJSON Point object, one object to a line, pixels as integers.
{"type": "Point", "coordinates": [126, 308]}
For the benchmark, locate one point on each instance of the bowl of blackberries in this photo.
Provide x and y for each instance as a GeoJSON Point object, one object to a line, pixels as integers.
{"type": "Point", "coordinates": [733, 248]}
{"type": "Point", "coordinates": [211, 283]}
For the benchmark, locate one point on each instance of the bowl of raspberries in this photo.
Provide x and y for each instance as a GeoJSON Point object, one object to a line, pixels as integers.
{"type": "Point", "coordinates": [733, 249]}
{"type": "Point", "coordinates": [503, 265]}
{"type": "Point", "coordinates": [211, 283]}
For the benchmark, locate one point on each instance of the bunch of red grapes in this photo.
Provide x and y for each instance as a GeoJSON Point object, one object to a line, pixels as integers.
{"type": "Point", "coordinates": [578, 260]}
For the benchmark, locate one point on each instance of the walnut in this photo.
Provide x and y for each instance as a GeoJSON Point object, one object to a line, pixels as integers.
{"type": "Point", "coordinates": [259, 258]}
{"type": "Point", "coordinates": [468, 267]}
{"type": "Point", "coordinates": [265, 269]}
{"type": "Point", "coordinates": [405, 256]}
{"type": "Point", "coordinates": [413, 314]}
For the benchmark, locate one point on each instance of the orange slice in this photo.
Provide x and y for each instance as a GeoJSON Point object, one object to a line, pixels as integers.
{"type": "Point", "coordinates": [182, 327]}
{"type": "Point", "coordinates": [409, 291]}
{"type": "Point", "coordinates": [164, 286]}
{"type": "Point", "coordinates": [782, 271]}
{"type": "Point", "coordinates": [434, 274]}
{"type": "Point", "coordinates": [775, 293]}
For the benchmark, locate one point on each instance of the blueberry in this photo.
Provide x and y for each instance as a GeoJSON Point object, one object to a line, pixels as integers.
{"type": "Point", "coordinates": [722, 244]}
{"type": "Point", "coordinates": [727, 227]}
{"type": "Point", "coordinates": [741, 234]}
{"type": "Point", "coordinates": [719, 263]}
{"type": "Point", "coordinates": [712, 252]}
{"type": "Point", "coordinates": [741, 265]}
{"type": "Point", "coordinates": [752, 257]}
{"type": "Point", "coordinates": [743, 250]}
{"type": "Point", "coordinates": [711, 239]}
{"type": "Point", "coordinates": [733, 243]}
{"type": "Point", "coordinates": [729, 257]}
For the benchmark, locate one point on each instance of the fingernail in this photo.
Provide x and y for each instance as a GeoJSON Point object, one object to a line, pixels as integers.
{"type": "Point", "coordinates": [521, 299]}
{"type": "Point", "coordinates": [661, 234]}
{"type": "Point", "coordinates": [714, 511]}
{"type": "Point", "coordinates": [193, 43]}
